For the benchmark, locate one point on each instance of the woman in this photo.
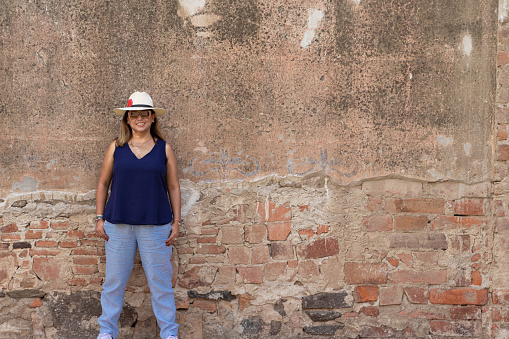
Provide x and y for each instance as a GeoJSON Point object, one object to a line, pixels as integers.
{"type": "Point", "coordinates": [142, 171]}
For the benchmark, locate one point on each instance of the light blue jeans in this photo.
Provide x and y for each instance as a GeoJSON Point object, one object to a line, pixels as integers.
{"type": "Point", "coordinates": [155, 257]}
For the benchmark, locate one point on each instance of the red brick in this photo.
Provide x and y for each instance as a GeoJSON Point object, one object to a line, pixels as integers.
{"type": "Point", "coordinates": [502, 58]}
{"type": "Point", "coordinates": [449, 328]}
{"type": "Point", "coordinates": [270, 212]}
{"type": "Point", "coordinates": [394, 262]}
{"type": "Point", "coordinates": [96, 281]}
{"type": "Point", "coordinates": [260, 254]}
{"type": "Point", "coordinates": [274, 270]}
{"type": "Point", "coordinates": [320, 248]}
{"type": "Point", "coordinates": [84, 270]}
{"type": "Point", "coordinates": [500, 297]}
{"type": "Point", "coordinates": [465, 313]}
{"type": "Point", "coordinates": [459, 296]}
{"type": "Point", "coordinates": [36, 303]}
{"type": "Point", "coordinates": [502, 224]}
{"type": "Point", "coordinates": [417, 295]}
{"type": "Point", "coordinates": [457, 222]}
{"type": "Point", "coordinates": [86, 251]}
{"type": "Point", "coordinates": [434, 206]}
{"type": "Point", "coordinates": [40, 224]}
{"type": "Point", "coordinates": [461, 243]}
{"type": "Point", "coordinates": [304, 208]}
{"type": "Point", "coordinates": [306, 233]}
{"type": "Point", "coordinates": [78, 282]}
{"type": "Point", "coordinates": [370, 311]}
{"type": "Point", "coordinates": [85, 260]}
{"type": "Point", "coordinates": [432, 277]}
{"type": "Point", "coordinates": [365, 273]}
{"type": "Point", "coordinates": [209, 231]}
{"type": "Point", "coordinates": [251, 275]}
{"type": "Point", "coordinates": [11, 228]}
{"type": "Point", "coordinates": [391, 295]}
{"type": "Point", "coordinates": [279, 231]}
{"type": "Point", "coordinates": [206, 305]}
{"type": "Point", "coordinates": [281, 250]}
{"type": "Point", "coordinates": [43, 252]}
{"type": "Point", "coordinates": [210, 249]}
{"type": "Point", "coordinates": [59, 225]}
{"type": "Point", "coordinates": [94, 243]}
{"type": "Point", "coordinates": [499, 208]}
{"type": "Point", "coordinates": [308, 268]}
{"type": "Point", "coordinates": [503, 152]}
{"type": "Point", "coordinates": [469, 207]}
{"type": "Point", "coordinates": [407, 223]}
{"type": "Point", "coordinates": [374, 203]}
{"type": "Point", "coordinates": [239, 255]}
{"type": "Point", "coordinates": [33, 234]}
{"type": "Point", "coordinates": [43, 243]}
{"type": "Point", "coordinates": [255, 234]}
{"type": "Point", "coordinates": [206, 240]}
{"type": "Point", "coordinates": [197, 260]}
{"type": "Point", "coordinates": [48, 269]}
{"type": "Point", "coordinates": [76, 233]}
{"type": "Point", "coordinates": [232, 235]}
{"type": "Point", "coordinates": [365, 293]}
{"type": "Point", "coordinates": [496, 315]}
{"type": "Point", "coordinates": [378, 223]}
{"type": "Point", "coordinates": [406, 258]}
{"type": "Point", "coordinates": [241, 212]}
{"type": "Point", "coordinates": [502, 133]}
{"type": "Point", "coordinates": [11, 237]}
{"type": "Point", "coordinates": [322, 229]}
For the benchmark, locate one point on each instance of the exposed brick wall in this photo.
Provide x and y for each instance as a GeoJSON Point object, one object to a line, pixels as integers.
{"type": "Point", "coordinates": [420, 252]}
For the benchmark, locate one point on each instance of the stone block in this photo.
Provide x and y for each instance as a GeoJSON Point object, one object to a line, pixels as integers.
{"type": "Point", "coordinates": [469, 207]}
{"type": "Point", "coordinates": [392, 186]}
{"type": "Point", "coordinates": [391, 295]}
{"type": "Point", "coordinates": [260, 254]}
{"type": "Point", "coordinates": [409, 223]}
{"type": "Point", "coordinates": [239, 255]}
{"type": "Point", "coordinates": [327, 301]}
{"type": "Point", "coordinates": [308, 268]}
{"type": "Point", "coordinates": [466, 313]}
{"type": "Point", "coordinates": [455, 329]}
{"type": "Point", "coordinates": [270, 212]}
{"type": "Point", "coordinates": [423, 241]}
{"type": "Point", "coordinates": [251, 275]}
{"type": "Point", "coordinates": [432, 206]}
{"type": "Point", "coordinates": [213, 295]}
{"type": "Point", "coordinates": [197, 276]}
{"type": "Point", "coordinates": [274, 270]}
{"type": "Point", "coordinates": [225, 275]}
{"type": "Point", "coordinates": [417, 295]}
{"type": "Point", "coordinates": [323, 329]}
{"type": "Point", "coordinates": [432, 277]}
{"type": "Point", "coordinates": [321, 316]}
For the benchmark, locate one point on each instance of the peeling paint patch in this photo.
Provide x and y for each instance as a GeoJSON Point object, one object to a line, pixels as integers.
{"type": "Point", "coordinates": [466, 45]}
{"type": "Point", "coordinates": [444, 141]}
{"type": "Point", "coordinates": [191, 7]}
{"type": "Point", "coordinates": [314, 18]}
{"type": "Point", "coordinates": [28, 184]}
{"type": "Point", "coordinates": [467, 147]}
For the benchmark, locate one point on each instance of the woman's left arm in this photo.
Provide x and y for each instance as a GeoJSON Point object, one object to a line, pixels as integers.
{"type": "Point", "coordinates": [172, 180]}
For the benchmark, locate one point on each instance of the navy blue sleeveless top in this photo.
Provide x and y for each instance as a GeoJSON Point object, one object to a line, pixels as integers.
{"type": "Point", "coordinates": [139, 194]}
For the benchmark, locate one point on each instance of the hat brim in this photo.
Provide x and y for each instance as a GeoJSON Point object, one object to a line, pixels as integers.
{"type": "Point", "coordinates": [121, 111]}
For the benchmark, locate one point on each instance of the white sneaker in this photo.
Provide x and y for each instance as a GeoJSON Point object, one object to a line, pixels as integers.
{"type": "Point", "coordinates": [104, 336]}
{"type": "Point", "coordinates": [172, 337]}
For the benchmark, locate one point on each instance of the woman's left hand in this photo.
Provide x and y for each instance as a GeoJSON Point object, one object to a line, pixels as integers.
{"type": "Point", "coordinates": [174, 234]}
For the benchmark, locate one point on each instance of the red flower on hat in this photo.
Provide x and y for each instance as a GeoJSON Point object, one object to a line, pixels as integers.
{"type": "Point", "coordinates": [129, 102]}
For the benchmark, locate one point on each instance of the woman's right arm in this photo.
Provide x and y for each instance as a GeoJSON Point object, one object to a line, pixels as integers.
{"type": "Point", "coordinates": [102, 189]}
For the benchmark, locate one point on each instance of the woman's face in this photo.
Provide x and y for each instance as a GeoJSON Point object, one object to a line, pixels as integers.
{"type": "Point", "coordinates": [140, 121]}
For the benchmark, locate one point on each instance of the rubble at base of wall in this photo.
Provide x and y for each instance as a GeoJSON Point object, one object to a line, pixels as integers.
{"type": "Point", "coordinates": [295, 257]}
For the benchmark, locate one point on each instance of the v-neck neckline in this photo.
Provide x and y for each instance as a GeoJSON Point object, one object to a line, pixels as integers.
{"type": "Point", "coordinates": [132, 152]}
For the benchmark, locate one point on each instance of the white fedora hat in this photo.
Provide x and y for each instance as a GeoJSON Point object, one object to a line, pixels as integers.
{"type": "Point", "coordinates": [139, 101]}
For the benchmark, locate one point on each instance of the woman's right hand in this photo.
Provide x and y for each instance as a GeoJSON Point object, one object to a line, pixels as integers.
{"type": "Point", "coordinates": [99, 229]}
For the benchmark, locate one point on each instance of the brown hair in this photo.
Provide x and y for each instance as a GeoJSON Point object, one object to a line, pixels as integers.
{"type": "Point", "coordinates": [125, 132]}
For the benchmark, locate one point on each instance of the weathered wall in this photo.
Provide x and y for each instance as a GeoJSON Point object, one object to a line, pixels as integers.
{"type": "Point", "coordinates": [341, 172]}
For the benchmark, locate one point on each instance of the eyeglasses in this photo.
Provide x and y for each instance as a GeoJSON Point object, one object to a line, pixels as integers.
{"type": "Point", "coordinates": [136, 114]}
